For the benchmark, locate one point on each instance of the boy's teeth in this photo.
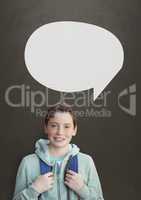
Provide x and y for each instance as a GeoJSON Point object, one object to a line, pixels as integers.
{"type": "Point", "coordinates": [59, 139]}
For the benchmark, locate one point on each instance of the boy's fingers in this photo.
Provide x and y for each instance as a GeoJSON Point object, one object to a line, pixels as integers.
{"type": "Point", "coordinates": [51, 179]}
{"type": "Point", "coordinates": [66, 182]}
{"type": "Point", "coordinates": [52, 182]}
{"type": "Point", "coordinates": [71, 172]}
{"type": "Point", "coordinates": [67, 179]}
{"type": "Point", "coordinates": [68, 175]}
{"type": "Point", "coordinates": [49, 174]}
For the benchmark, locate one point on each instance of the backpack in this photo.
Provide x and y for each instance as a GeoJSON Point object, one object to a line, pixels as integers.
{"type": "Point", "coordinates": [72, 164]}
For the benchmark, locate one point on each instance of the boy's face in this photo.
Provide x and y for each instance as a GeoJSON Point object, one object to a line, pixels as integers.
{"type": "Point", "coordinates": [60, 129]}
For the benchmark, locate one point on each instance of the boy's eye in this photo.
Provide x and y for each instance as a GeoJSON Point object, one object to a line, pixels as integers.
{"type": "Point", "coordinates": [53, 125]}
{"type": "Point", "coordinates": [67, 126]}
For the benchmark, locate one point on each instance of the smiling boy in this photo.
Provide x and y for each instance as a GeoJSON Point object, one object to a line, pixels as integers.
{"type": "Point", "coordinates": [56, 153]}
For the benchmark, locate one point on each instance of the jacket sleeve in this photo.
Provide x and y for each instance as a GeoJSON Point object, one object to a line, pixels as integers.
{"type": "Point", "coordinates": [23, 190]}
{"type": "Point", "coordinates": [92, 189]}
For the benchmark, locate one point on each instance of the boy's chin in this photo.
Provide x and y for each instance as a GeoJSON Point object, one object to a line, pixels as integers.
{"type": "Point", "coordinates": [60, 144]}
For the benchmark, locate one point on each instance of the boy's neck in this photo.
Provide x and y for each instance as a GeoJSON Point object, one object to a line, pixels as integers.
{"type": "Point", "coordinates": [58, 152]}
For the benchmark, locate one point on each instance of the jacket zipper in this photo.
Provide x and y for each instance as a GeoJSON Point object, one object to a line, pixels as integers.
{"type": "Point", "coordinates": [58, 182]}
{"type": "Point", "coordinates": [58, 188]}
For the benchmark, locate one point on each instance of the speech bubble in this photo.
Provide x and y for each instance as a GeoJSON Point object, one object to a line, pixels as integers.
{"type": "Point", "coordinates": [72, 56]}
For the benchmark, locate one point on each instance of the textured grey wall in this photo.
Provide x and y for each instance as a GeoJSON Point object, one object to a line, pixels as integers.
{"type": "Point", "coordinates": [112, 141]}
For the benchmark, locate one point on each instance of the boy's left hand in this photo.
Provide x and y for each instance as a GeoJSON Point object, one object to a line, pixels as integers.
{"type": "Point", "coordinates": [74, 180]}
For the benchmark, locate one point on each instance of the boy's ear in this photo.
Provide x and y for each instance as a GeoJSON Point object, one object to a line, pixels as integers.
{"type": "Point", "coordinates": [75, 131]}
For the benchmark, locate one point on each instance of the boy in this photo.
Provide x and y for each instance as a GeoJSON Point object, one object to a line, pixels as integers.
{"type": "Point", "coordinates": [58, 170]}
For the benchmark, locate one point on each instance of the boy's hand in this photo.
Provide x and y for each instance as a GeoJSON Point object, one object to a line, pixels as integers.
{"type": "Point", "coordinates": [74, 180]}
{"type": "Point", "coordinates": [44, 182]}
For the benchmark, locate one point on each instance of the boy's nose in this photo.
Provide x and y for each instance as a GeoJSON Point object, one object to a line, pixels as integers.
{"type": "Point", "coordinates": [60, 131]}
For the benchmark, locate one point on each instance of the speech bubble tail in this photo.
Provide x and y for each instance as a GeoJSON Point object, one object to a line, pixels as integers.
{"type": "Point", "coordinates": [96, 93]}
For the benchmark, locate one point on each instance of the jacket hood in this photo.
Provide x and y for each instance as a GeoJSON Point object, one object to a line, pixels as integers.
{"type": "Point", "coordinates": [42, 150]}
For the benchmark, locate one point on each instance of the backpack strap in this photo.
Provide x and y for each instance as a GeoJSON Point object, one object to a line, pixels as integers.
{"type": "Point", "coordinates": [44, 168]}
{"type": "Point", "coordinates": [73, 163]}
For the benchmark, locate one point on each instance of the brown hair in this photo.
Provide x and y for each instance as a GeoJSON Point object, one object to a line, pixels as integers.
{"type": "Point", "coordinates": [60, 107]}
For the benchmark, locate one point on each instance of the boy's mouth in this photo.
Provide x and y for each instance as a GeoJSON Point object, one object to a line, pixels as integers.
{"type": "Point", "coordinates": [58, 139]}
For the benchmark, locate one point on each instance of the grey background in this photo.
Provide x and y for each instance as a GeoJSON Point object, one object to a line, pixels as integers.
{"type": "Point", "coordinates": [112, 142]}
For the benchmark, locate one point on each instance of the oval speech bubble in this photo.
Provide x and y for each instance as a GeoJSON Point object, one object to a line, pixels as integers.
{"type": "Point", "coordinates": [73, 56]}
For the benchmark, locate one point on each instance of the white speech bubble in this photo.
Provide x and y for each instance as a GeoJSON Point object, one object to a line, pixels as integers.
{"type": "Point", "coordinates": [73, 56]}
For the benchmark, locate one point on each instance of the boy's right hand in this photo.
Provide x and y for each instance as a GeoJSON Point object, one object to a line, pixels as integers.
{"type": "Point", "coordinates": [44, 182]}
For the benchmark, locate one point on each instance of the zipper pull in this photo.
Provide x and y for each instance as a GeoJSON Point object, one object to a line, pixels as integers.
{"type": "Point", "coordinates": [58, 165]}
